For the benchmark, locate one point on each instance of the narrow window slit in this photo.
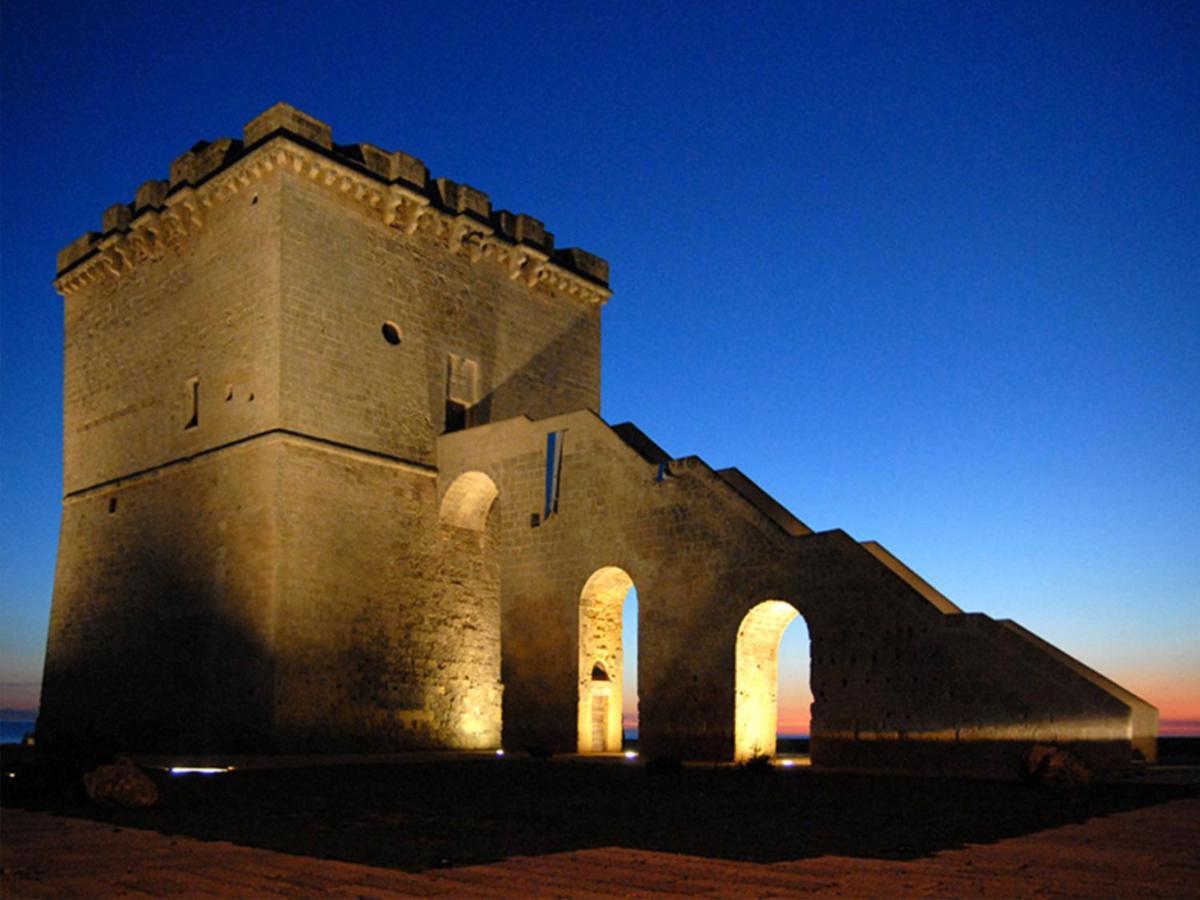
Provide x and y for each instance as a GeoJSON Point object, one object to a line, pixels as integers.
{"type": "Point", "coordinates": [193, 403]}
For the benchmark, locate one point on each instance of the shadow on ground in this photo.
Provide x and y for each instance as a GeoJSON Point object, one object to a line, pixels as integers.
{"type": "Point", "coordinates": [426, 814]}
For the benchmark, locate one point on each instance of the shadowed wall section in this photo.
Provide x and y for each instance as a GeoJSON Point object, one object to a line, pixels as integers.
{"type": "Point", "coordinates": [161, 627]}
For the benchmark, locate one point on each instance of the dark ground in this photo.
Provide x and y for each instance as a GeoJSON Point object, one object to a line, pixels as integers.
{"type": "Point", "coordinates": [417, 815]}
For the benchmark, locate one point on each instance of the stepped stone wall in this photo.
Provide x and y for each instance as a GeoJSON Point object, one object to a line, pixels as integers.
{"type": "Point", "coordinates": [901, 678]}
{"type": "Point", "coordinates": [308, 394]}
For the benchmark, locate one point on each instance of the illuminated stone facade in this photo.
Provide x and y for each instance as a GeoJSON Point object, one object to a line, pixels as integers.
{"type": "Point", "coordinates": [308, 393]}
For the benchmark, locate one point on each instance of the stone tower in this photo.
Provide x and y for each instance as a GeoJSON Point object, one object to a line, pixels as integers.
{"type": "Point", "coordinates": [261, 353]}
{"type": "Point", "coordinates": [335, 479]}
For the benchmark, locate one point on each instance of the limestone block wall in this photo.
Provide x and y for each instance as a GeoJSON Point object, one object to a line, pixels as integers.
{"type": "Point", "coordinates": [612, 514]}
{"type": "Point", "coordinates": [265, 270]}
{"type": "Point", "coordinates": [388, 625]}
{"type": "Point", "coordinates": [161, 626]}
{"type": "Point", "coordinates": [901, 679]}
{"type": "Point", "coordinates": [188, 331]}
{"type": "Point", "coordinates": [346, 274]}
{"type": "Point", "coordinates": [166, 563]}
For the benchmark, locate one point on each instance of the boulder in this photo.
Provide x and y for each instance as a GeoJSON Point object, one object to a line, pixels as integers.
{"type": "Point", "coordinates": [1048, 764]}
{"type": "Point", "coordinates": [121, 784]}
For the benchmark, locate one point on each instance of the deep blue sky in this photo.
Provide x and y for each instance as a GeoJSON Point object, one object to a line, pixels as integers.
{"type": "Point", "coordinates": [927, 272]}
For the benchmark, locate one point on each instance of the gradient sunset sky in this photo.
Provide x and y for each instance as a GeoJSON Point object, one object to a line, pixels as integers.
{"type": "Point", "coordinates": [928, 272]}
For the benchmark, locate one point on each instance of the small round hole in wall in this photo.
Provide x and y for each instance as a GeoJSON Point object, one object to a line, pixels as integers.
{"type": "Point", "coordinates": [391, 333]}
{"type": "Point", "coordinates": [254, 200]}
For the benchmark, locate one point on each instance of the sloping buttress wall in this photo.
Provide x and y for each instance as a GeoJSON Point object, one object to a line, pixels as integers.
{"type": "Point", "coordinates": [900, 680]}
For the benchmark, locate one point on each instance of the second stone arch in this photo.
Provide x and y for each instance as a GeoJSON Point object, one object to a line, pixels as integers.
{"type": "Point", "coordinates": [602, 660]}
{"type": "Point", "coordinates": [756, 678]}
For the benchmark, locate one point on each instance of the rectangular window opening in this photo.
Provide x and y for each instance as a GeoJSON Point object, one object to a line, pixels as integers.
{"type": "Point", "coordinates": [193, 403]}
{"type": "Point", "coordinates": [456, 416]}
{"type": "Point", "coordinates": [462, 392]}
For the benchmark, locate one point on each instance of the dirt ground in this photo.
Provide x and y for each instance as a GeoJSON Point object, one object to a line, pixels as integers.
{"type": "Point", "coordinates": [517, 825]}
{"type": "Point", "coordinates": [1148, 852]}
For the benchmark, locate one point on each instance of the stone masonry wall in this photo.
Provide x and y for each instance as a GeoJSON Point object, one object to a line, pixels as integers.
{"type": "Point", "coordinates": [345, 274]}
{"type": "Point", "coordinates": [387, 633]}
{"type": "Point", "coordinates": [161, 625]}
{"type": "Point", "coordinates": [897, 682]}
{"type": "Point", "coordinates": [166, 558]}
{"type": "Point", "coordinates": [205, 309]}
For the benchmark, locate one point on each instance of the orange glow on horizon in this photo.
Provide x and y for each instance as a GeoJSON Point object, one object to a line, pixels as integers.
{"type": "Point", "coordinates": [1175, 693]}
{"type": "Point", "coordinates": [792, 723]}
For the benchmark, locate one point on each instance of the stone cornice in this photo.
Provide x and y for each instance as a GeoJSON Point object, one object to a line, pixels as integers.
{"type": "Point", "coordinates": [395, 186]}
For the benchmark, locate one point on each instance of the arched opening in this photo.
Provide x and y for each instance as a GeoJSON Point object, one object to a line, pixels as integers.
{"type": "Point", "coordinates": [794, 727]}
{"type": "Point", "coordinates": [756, 674]}
{"type": "Point", "coordinates": [601, 608]}
{"type": "Point", "coordinates": [629, 668]}
{"type": "Point", "coordinates": [467, 501]}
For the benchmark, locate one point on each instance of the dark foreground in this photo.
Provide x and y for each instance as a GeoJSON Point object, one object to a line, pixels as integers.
{"type": "Point", "coordinates": [434, 814]}
{"type": "Point", "coordinates": [1149, 852]}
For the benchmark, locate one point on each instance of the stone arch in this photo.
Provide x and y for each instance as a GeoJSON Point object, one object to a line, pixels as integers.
{"type": "Point", "coordinates": [468, 500]}
{"type": "Point", "coordinates": [756, 678]}
{"type": "Point", "coordinates": [601, 604]}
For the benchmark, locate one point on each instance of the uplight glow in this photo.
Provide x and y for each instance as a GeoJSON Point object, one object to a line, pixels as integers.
{"type": "Point", "coordinates": [199, 770]}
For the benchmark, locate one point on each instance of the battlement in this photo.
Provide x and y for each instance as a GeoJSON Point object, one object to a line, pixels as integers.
{"type": "Point", "coordinates": [393, 183]}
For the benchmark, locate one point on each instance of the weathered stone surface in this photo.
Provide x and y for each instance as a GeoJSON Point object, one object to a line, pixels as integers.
{"type": "Point", "coordinates": [284, 116]}
{"type": "Point", "coordinates": [120, 784]}
{"type": "Point", "coordinates": [151, 194]}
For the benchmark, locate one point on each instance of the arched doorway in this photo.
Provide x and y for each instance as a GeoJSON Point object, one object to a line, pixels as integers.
{"type": "Point", "coordinates": [468, 697]}
{"type": "Point", "coordinates": [756, 678]}
{"type": "Point", "coordinates": [467, 501]}
{"type": "Point", "coordinates": [601, 660]}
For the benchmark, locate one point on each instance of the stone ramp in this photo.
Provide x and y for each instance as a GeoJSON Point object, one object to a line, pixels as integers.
{"type": "Point", "coordinates": [1149, 852]}
{"type": "Point", "coordinates": [912, 579]}
{"type": "Point", "coordinates": [1144, 717]}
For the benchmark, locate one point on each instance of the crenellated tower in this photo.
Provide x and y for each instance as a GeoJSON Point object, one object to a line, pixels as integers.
{"type": "Point", "coordinates": [261, 352]}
